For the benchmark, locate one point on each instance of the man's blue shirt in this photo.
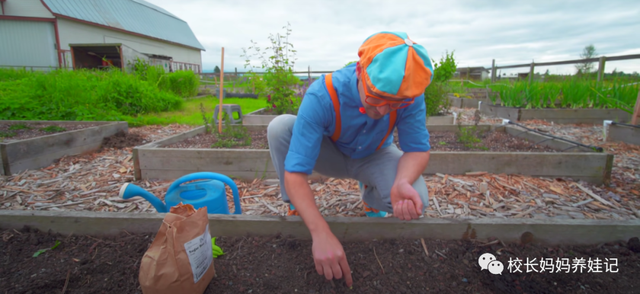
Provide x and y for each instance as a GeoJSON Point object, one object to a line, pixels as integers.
{"type": "Point", "coordinates": [360, 135]}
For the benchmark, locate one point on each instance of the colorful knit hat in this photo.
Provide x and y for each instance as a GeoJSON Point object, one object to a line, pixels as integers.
{"type": "Point", "coordinates": [394, 65]}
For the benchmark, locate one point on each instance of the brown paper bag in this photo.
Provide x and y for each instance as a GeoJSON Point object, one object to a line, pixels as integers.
{"type": "Point", "coordinates": [180, 259]}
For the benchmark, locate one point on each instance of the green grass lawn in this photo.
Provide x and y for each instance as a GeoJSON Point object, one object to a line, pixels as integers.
{"type": "Point", "coordinates": [191, 114]}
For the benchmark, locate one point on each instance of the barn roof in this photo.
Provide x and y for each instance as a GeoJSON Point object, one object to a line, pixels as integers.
{"type": "Point", "coordinates": [134, 16]}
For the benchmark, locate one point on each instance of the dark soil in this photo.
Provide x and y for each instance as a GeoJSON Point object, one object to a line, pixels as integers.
{"type": "Point", "coordinates": [122, 139]}
{"type": "Point", "coordinates": [14, 131]}
{"type": "Point", "coordinates": [493, 141]}
{"type": "Point", "coordinates": [440, 141]}
{"type": "Point", "coordinates": [83, 264]}
{"type": "Point", "coordinates": [206, 140]}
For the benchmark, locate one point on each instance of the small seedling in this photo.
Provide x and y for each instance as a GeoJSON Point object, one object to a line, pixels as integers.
{"type": "Point", "coordinates": [53, 129]}
{"type": "Point", "coordinates": [19, 127]}
{"type": "Point", "coordinates": [7, 134]}
{"type": "Point", "coordinates": [468, 137]}
{"type": "Point", "coordinates": [232, 135]}
{"type": "Point", "coordinates": [44, 250]}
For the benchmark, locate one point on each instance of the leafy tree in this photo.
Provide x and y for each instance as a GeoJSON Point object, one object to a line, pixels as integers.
{"type": "Point", "coordinates": [349, 63]}
{"type": "Point", "coordinates": [216, 70]}
{"type": "Point", "coordinates": [444, 70]}
{"type": "Point", "coordinates": [279, 78]}
{"type": "Point", "coordinates": [588, 52]}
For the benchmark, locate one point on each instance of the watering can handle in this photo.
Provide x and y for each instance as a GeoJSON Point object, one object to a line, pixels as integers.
{"type": "Point", "coordinates": [210, 176]}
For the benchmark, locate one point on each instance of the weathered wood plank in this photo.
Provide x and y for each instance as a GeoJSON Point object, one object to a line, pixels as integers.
{"type": "Point", "coordinates": [440, 120]}
{"type": "Point", "coordinates": [3, 159]}
{"type": "Point", "coordinates": [173, 174]}
{"type": "Point", "coordinates": [41, 151]}
{"type": "Point", "coordinates": [57, 122]}
{"type": "Point", "coordinates": [509, 113]}
{"type": "Point", "coordinates": [455, 101]}
{"type": "Point", "coordinates": [257, 118]}
{"type": "Point", "coordinates": [591, 167]}
{"type": "Point", "coordinates": [222, 160]}
{"type": "Point", "coordinates": [545, 140]}
{"type": "Point", "coordinates": [575, 116]}
{"type": "Point", "coordinates": [167, 162]}
{"type": "Point", "coordinates": [569, 232]}
{"type": "Point", "coordinates": [618, 133]}
{"type": "Point", "coordinates": [560, 116]}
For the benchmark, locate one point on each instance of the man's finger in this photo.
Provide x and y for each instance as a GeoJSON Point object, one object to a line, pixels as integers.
{"type": "Point", "coordinates": [397, 209]}
{"type": "Point", "coordinates": [418, 203]}
{"type": "Point", "coordinates": [400, 214]}
{"type": "Point", "coordinates": [412, 210]}
{"type": "Point", "coordinates": [346, 270]}
{"type": "Point", "coordinates": [405, 210]}
{"type": "Point", "coordinates": [337, 271]}
{"type": "Point", "coordinates": [327, 271]}
{"type": "Point", "coordinates": [319, 268]}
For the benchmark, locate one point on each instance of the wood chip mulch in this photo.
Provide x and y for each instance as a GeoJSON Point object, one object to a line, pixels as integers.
{"type": "Point", "coordinates": [91, 183]}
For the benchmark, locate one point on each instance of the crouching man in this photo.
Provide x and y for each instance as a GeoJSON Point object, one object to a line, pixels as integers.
{"type": "Point", "coordinates": [344, 129]}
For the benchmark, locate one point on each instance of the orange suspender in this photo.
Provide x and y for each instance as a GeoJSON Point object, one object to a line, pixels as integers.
{"type": "Point", "coordinates": [392, 122]}
{"type": "Point", "coordinates": [336, 106]}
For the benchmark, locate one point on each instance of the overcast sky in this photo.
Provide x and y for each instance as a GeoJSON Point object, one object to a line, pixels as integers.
{"type": "Point", "coordinates": [327, 33]}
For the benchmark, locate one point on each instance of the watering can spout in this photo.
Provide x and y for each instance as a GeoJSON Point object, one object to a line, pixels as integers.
{"type": "Point", "coordinates": [129, 190]}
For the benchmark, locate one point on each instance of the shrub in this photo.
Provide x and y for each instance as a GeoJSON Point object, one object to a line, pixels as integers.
{"type": "Point", "coordinates": [279, 78]}
{"type": "Point", "coordinates": [436, 94]}
{"type": "Point", "coordinates": [436, 100]}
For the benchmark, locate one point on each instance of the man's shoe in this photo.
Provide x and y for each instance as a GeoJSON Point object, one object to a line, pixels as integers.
{"type": "Point", "coordinates": [372, 212]}
{"type": "Point", "coordinates": [368, 210]}
{"type": "Point", "coordinates": [292, 210]}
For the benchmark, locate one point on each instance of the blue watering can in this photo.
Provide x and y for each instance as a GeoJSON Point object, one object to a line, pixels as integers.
{"type": "Point", "coordinates": [208, 191]}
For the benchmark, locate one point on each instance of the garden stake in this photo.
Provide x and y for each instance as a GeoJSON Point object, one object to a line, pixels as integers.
{"type": "Point", "coordinates": [220, 96]}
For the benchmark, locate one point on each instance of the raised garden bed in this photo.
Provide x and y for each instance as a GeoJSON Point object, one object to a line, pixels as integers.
{"type": "Point", "coordinates": [261, 117]}
{"type": "Point", "coordinates": [464, 102]}
{"type": "Point", "coordinates": [556, 115]}
{"type": "Point", "coordinates": [541, 156]}
{"type": "Point", "coordinates": [629, 134]}
{"type": "Point", "coordinates": [102, 252]}
{"type": "Point", "coordinates": [37, 144]}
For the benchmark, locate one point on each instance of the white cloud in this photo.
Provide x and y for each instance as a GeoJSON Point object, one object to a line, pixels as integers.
{"type": "Point", "coordinates": [327, 33]}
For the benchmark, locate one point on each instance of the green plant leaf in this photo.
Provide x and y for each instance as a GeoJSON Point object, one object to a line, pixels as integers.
{"type": "Point", "coordinates": [44, 250]}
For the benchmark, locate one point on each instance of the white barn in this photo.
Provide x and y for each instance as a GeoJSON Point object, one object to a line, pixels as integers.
{"type": "Point", "coordinates": [43, 34]}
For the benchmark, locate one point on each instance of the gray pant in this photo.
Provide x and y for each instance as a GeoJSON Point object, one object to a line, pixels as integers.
{"type": "Point", "coordinates": [377, 171]}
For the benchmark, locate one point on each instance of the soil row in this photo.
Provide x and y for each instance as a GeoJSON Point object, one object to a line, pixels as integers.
{"type": "Point", "coordinates": [86, 264]}
{"type": "Point", "coordinates": [493, 141]}
{"type": "Point", "coordinates": [11, 131]}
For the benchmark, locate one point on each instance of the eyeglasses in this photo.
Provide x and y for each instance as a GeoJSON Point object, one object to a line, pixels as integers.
{"type": "Point", "coordinates": [377, 102]}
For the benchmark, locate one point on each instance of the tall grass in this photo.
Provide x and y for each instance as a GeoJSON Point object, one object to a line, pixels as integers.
{"type": "Point", "coordinates": [183, 83]}
{"type": "Point", "coordinates": [568, 93]}
{"type": "Point", "coordinates": [80, 95]}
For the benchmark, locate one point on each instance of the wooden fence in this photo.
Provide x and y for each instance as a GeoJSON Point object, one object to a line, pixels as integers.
{"type": "Point", "coordinates": [601, 61]}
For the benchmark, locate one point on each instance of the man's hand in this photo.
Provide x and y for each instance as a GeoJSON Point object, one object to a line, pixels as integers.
{"type": "Point", "coordinates": [330, 258]}
{"type": "Point", "coordinates": [328, 254]}
{"type": "Point", "coordinates": [406, 201]}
